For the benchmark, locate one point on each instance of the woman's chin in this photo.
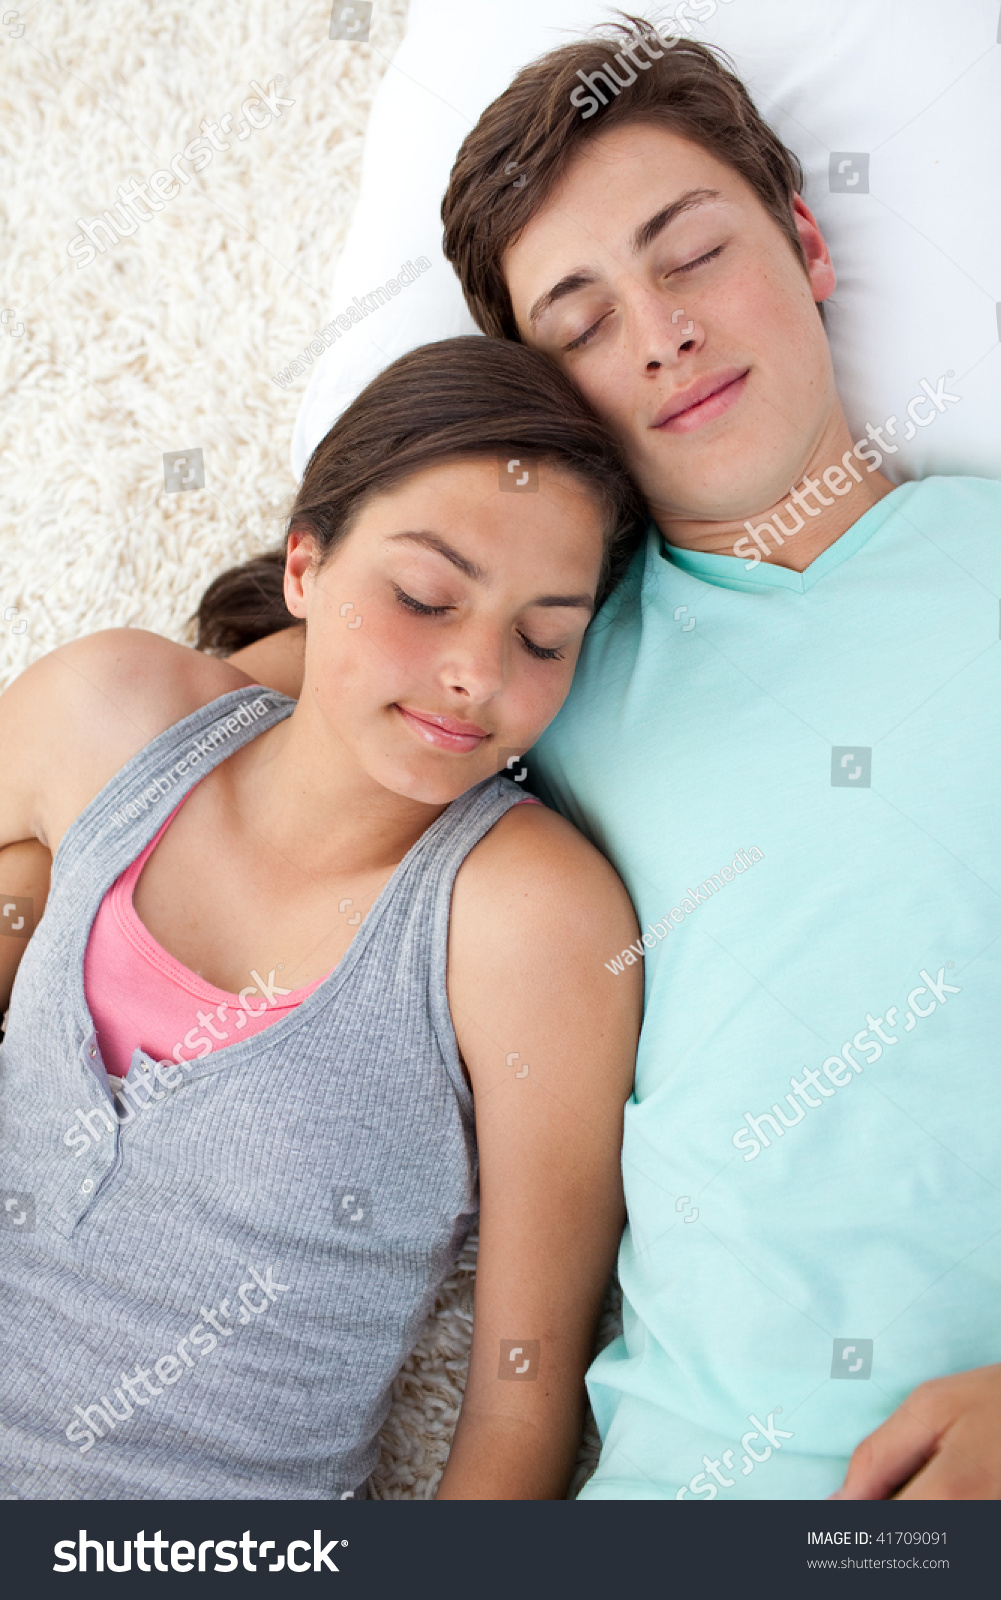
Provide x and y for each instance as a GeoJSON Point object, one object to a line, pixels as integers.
{"type": "Point", "coordinates": [434, 783]}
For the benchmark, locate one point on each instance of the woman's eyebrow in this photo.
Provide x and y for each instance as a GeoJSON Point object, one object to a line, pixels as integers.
{"type": "Point", "coordinates": [585, 601]}
{"type": "Point", "coordinates": [441, 547]}
{"type": "Point", "coordinates": [433, 541]}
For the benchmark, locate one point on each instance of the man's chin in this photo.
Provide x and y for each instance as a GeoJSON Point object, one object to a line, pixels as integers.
{"type": "Point", "coordinates": [723, 474]}
{"type": "Point", "coordinates": [711, 506]}
{"type": "Point", "coordinates": [682, 523]}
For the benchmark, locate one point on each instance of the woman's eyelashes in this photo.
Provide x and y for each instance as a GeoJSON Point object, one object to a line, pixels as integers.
{"type": "Point", "coordinates": [418, 606]}
{"type": "Point", "coordinates": [408, 601]}
{"type": "Point", "coordinates": [539, 650]}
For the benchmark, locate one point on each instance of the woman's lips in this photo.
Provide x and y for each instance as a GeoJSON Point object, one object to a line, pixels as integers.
{"type": "Point", "coordinates": [723, 393]}
{"type": "Point", "coordinates": [445, 733]}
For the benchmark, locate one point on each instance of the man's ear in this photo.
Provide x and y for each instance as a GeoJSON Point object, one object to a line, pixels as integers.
{"type": "Point", "coordinates": [819, 266]}
{"type": "Point", "coordinates": [301, 561]}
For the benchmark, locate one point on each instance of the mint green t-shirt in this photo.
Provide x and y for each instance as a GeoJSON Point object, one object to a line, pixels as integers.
{"type": "Point", "coordinates": [798, 778]}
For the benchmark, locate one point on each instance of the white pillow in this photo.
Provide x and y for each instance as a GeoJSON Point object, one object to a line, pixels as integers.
{"type": "Point", "coordinates": [914, 84]}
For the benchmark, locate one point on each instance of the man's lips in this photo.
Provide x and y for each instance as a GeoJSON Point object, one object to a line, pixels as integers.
{"type": "Point", "coordinates": [702, 402]}
{"type": "Point", "coordinates": [444, 732]}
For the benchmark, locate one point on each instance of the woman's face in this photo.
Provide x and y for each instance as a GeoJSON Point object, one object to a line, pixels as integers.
{"type": "Point", "coordinates": [444, 629]}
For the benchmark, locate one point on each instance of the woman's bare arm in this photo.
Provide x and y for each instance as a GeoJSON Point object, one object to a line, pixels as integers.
{"type": "Point", "coordinates": [24, 888]}
{"type": "Point", "coordinates": [549, 1037]}
{"type": "Point", "coordinates": [67, 725]}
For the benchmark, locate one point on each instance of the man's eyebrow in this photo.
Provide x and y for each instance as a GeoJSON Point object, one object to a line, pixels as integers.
{"type": "Point", "coordinates": [648, 231]}
{"type": "Point", "coordinates": [432, 541]}
{"type": "Point", "coordinates": [573, 281]}
{"type": "Point", "coordinates": [582, 278]}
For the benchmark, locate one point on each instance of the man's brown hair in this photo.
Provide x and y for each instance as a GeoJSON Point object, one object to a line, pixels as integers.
{"type": "Point", "coordinates": [525, 141]}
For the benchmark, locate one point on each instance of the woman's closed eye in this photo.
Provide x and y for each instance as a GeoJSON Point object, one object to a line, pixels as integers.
{"type": "Point", "coordinates": [541, 652]}
{"type": "Point", "coordinates": [418, 606]}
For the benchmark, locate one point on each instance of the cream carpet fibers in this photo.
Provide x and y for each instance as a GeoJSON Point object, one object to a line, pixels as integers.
{"type": "Point", "coordinates": [166, 342]}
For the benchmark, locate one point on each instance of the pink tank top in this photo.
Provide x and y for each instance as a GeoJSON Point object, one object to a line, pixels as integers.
{"type": "Point", "coordinates": [140, 997]}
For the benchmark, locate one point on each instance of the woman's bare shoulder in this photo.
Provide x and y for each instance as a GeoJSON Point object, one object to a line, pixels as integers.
{"type": "Point", "coordinates": [136, 683]}
{"type": "Point", "coordinates": [77, 715]}
{"type": "Point", "coordinates": [529, 839]}
{"type": "Point", "coordinates": [537, 912]}
{"type": "Point", "coordinates": [535, 879]}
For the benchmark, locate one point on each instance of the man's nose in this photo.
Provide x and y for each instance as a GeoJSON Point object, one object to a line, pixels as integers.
{"type": "Point", "coordinates": [662, 330]}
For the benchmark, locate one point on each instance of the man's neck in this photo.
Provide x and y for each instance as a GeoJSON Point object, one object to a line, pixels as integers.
{"type": "Point", "coordinates": [813, 513]}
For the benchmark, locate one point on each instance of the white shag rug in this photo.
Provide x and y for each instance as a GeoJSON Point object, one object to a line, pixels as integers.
{"type": "Point", "coordinates": [166, 342]}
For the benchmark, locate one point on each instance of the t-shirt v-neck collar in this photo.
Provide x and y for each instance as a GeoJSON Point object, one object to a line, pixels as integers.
{"type": "Point", "coordinates": [732, 572]}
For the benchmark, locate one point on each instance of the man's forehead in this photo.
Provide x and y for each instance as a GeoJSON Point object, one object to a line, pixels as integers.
{"type": "Point", "coordinates": [587, 249]}
{"type": "Point", "coordinates": [617, 186]}
{"type": "Point", "coordinates": [625, 159]}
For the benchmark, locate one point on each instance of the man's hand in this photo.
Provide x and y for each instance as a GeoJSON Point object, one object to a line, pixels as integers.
{"type": "Point", "coordinates": [943, 1443]}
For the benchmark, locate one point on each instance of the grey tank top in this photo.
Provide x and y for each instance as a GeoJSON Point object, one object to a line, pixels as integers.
{"type": "Point", "coordinates": [211, 1297]}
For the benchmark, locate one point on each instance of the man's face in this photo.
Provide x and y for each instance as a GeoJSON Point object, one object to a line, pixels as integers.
{"type": "Point", "coordinates": [659, 283]}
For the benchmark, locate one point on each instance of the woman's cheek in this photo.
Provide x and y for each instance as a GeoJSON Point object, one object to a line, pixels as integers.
{"type": "Point", "coordinates": [406, 647]}
{"type": "Point", "coordinates": [537, 699]}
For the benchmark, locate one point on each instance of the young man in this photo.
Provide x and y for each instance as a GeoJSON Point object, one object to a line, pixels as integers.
{"type": "Point", "coordinates": [811, 1155]}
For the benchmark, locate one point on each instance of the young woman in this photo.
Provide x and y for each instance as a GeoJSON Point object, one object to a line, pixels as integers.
{"type": "Point", "coordinates": [313, 980]}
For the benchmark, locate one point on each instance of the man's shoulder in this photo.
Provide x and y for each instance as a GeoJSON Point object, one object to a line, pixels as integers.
{"type": "Point", "coordinates": [952, 519]}
{"type": "Point", "coordinates": [959, 496]}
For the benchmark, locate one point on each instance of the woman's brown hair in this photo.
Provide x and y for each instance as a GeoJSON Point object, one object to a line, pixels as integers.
{"type": "Point", "coordinates": [523, 144]}
{"type": "Point", "coordinates": [458, 399]}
